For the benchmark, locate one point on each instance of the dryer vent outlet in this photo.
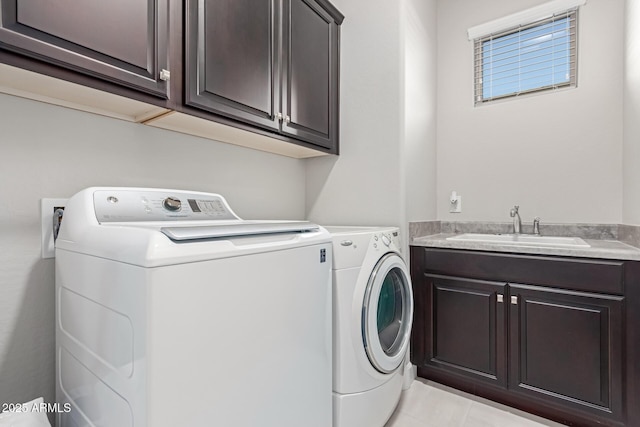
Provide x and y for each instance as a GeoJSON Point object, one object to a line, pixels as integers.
{"type": "Point", "coordinates": [50, 216]}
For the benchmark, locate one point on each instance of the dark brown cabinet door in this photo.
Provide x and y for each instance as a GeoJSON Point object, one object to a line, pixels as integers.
{"type": "Point", "coordinates": [122, 41]}
{"type": "Point", "coordinates": [310, 73]}
{"type": "Point", "coordinates": [566, 347]}
{"type": "Point", "coordinates": [231, 66]}
{"type": "Point", "coordinates": [270, 63]}
{"type": "Point", "coordinates": [466, 327]}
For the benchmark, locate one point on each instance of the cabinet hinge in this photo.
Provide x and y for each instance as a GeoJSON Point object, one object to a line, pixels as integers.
{"type": "Point", "coordinates": [165, 75]}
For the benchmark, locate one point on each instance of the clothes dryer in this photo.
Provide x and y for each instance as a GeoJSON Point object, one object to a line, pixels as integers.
{"type": "Point", "coordinates": [372, 317]}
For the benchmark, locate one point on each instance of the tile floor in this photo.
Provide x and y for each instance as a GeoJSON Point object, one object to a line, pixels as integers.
{"type": "Point", "coordinates": [430, 404]}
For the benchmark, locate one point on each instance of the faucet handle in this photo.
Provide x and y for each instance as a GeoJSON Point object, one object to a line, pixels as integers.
{"type": "Point", "coordinates": [514, 211]}
{"type": "Point", "coordinates": [536, 225]}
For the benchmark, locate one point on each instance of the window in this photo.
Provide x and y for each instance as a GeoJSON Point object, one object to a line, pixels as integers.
{"type": "Point", "coordinates": [529, 58]}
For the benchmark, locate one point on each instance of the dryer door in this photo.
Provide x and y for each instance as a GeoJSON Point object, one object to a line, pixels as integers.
{"type": "Point", "coordinates": [387, 313]}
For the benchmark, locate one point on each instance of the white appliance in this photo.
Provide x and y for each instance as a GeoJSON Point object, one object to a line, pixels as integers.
{"type": "Point", "coordinates": [372, 316]}
{"type": "Point", "coordinates": [172, 311]}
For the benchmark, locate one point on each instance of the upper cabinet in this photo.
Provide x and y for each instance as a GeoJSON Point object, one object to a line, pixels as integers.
{"type": "Point", "coordinates": [258, 73]}
{"type": "Point", "coordinates": [121, 41]}
{"type": "Point", "coordinates": [310, 70]}
{"type": "Point", "coordinates": [231, 59]}
{"type": "Point", "coordinates": [268, 63]}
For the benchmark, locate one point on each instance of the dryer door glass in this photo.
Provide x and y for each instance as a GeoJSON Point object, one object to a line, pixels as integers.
{"type": "Point", "coordinates": [387, 313]}
{"type": "Point", "coordinates": [390, 310]}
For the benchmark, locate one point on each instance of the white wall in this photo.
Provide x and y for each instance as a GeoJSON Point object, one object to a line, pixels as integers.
{"type": "Point", "coordinates": [48, 151]}
{"type": "Point", "coordinates": [361, 186]}
{"type": "Point", "coordinates": [418, 163]}
{"type": "Point", "coordinates": [385, 171]}
{"type": "Point", "coordinates": [631, 207]}
{"type": "Point", "coordinates": [557, 155]}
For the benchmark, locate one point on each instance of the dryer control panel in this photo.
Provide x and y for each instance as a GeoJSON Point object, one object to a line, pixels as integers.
{"type": "Point", "coordinates": [385, 239]}
{"type": "Point", "coordinates": [129, 205]}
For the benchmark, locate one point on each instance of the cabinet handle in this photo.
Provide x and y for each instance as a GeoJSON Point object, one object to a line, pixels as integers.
{"type": "Point", "coordinates": [165, 75]}
{"type": "Point", "coordinates": [500, 298]}
{"type": "Point", "coordinates": [279, 116]}
{"type": "Point", "coordinates": [288, 119]}
{"type": "Point", "coordinates": [514, 300]}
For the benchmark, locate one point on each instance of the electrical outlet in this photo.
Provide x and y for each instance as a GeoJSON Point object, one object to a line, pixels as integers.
{"type": "Point", "coordinates": [455, 206]}
{"type": "Point", "coordinates": [47, 209]}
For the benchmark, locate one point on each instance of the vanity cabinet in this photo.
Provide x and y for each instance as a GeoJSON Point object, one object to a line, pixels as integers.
{"type": "Point", "coordinates": [467, 332]}
{"type": "Point", "coordinates": [123, 42]}
{"type": "Point", "coordinates": [566, 347]}
{"type": "Point", "coordinates": [272, 64]}
{"type": "Point", "coordinates": [549, 335]}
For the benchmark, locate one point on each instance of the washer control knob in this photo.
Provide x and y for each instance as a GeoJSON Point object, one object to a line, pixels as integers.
{"type": "Point", "coordinates": [172, 204]}
{"type": "Point", "coordinates": [386, 240]}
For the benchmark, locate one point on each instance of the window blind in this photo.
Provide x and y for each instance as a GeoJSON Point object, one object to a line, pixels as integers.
{"type": "Point", "coordinates": [524, 17]}
{"type": "Point", "coordinates": [541, 55]}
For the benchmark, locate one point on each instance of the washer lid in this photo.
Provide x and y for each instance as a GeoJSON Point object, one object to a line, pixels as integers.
{"type": "Point", "coordinates": [236, 230]}
{"type": "Point", "coordinates": [155, 227]}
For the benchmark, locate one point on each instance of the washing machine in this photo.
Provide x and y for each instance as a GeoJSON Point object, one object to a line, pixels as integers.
{"type": "Point", "coordinates": [173, 311]}
{"type": "Point", "coordinates": [372, 317]}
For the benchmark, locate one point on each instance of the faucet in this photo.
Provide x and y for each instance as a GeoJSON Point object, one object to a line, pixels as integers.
{"type": "Point", "coordinates": [517, 222]}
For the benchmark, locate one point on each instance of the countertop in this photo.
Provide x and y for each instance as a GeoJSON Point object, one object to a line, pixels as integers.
{"type": "Point", "coordinates": [603, 249]}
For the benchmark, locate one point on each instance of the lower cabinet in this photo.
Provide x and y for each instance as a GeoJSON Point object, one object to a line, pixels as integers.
{"type": "Point", "coordinates": [566, 347]}
{"type": "Point", "coordinates": [554, 346]}
{"type": "Point", "coordinates": [467, 332]}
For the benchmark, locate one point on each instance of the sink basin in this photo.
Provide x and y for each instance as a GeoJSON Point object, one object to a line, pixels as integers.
{"type": "Point", "coordinates": [523, 240]}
